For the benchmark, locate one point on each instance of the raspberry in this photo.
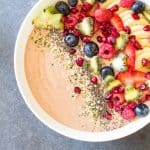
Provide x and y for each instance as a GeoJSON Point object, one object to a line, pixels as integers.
{"type": "Point", "coordinates": [80, 61]}
{"type": "Point", "coordinates": [103, 15]}
{"type": "Point", "coordinates": [107, 51]}
{"type": "Point", "coordinates": [127, 3]}
{"type": "Point", "coordinates": [70, 22]}
{"type": "Point", "coordinates": [128, 113]}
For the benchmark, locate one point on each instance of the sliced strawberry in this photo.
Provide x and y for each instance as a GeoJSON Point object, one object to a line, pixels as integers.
{"type": "Point", "coordinates": [103, 15]}
{"type": "Point", "coordinates": [117, 22]}
{"type": "Point", "coordinates": [91, 13]}
{"type": "Point", "coordinates": [132, 77]}
{"type": "Point", "coordinates": [130, 52]}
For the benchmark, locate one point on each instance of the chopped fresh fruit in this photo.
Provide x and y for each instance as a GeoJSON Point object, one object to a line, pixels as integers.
{"type": "Point", "coordinates": [147, 15]}
{"type": "Point", "coordinates": [72, 3]}
{"type": "Point", "coordinates": [117, 22]}
{"type": "Point", "coordinates": [119, 63]}
{"type": "Point", "coordinates": [145, 62]}
{"type": "Point", "coordinates": [111, 39]}
{"type": "Point", "coordinates": [119, 97]}
{"type": "Point", "coordinates": [138, 7]}
{"type": "Point", "coordinates": [128, 113]}
{"type": "Point", "coordinates": [91, 13]}
{"type": "Point", "coordinates": [143, 87]}
{"type": "Point", "coordinates": [71, 40]}
{"type": "Point", "coordinates": [135, 16]}
{"type": "Point", "coordinates": [72, 51]}
{"type": "Point", "coordinates": [94, 79]}
{"type": "Point", "coordinates": [113, 84]}
{"type": "Point", "coordinates": [107, 51]}
{"type": "Point", "coordinates": [108, 95]}
{"type": "Point", "coordinates": [146, 28]}
{"type": "Point", "coordinates": [107, 115]}
{"type": "Point", "coordinates": [108, 79]}
{"type": "Point", "coordinates": [127, 29]}
{"type": "Point", "coordinates": [102, 15]}
{"type": "Point", "coordinates": [114, 8]}
{"type": "Point", "coordinates": [130, 53]}
{"type": "Point", "coordinates": [77, 90]}
{"type": "Point", "coordinates": [62, 7]}
{"type": "Point", "coordinates": [46, 20]}
{"type": "Point", "coordinates": [92, 2]}
{"type": "Point", "coordinates": [51, 10]}
{"type": "Point", "coordinates": [91, 49]}
{"type": "Point", "coordinates": [86, 7]}
{"type": "Point", "coordinates": [80, 61]}
{"type": "Point", "coordinates": [110, 104]}
{"type": "Point", "coordinates": [132, 94]}
{"type": "Point", "coordinates": [99, 39]}
{"type": "Point", "coordinates": [86, 39]}
{"type": "Point", "coordinates": [141, 110]}
{"type": "Point", "coordinates": [147, 75]}
{"type": "Point", "coordinates": [106, 71]}
{"type": "Point", "coordinates": [127, 3]}
{"type": "Point", "coordinates": [86, 26]}
{"type": "Point", "coordinates": [131, 105]}
{"type": "Point", "coordinates": [95, 65]}
{"type": "Point", "coordinates": [122, 41]}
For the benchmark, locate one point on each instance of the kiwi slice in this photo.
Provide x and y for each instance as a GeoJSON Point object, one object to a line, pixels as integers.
{"type": "Point", "coordinates": [113, 84]}
{"type": "Point", "coordinates": [86, 26]}
{"type": "Point", "coordinates": [108, 79]}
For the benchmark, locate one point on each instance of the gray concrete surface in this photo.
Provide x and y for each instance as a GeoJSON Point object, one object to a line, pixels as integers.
{"type": "Point", "coordinates": [19, 129]}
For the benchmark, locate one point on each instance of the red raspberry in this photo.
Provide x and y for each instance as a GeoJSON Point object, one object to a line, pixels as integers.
{"type": "Point", "coordinates": [127, 3]}
{"type": "Point", "coordinates": [128, 113]}
{"type": "Point", "coordinates": [103, 15]}
{"type": "Point", "coordinates": [70, 22]}
{"type": "Point", "coordinates": [107, 51]}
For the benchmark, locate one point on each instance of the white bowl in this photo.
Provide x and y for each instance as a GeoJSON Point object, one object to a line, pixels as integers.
{"type": "Point", "coordinates": [23, 35]}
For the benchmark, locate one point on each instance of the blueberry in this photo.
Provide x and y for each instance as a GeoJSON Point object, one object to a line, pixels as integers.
{"type": "Point", "coordinates": [101, 1]}
{"type": "Point", "coordinates": [105, 71]}
{"type": "Point", "coordinates": [138, 7]}
{"type": "Point", "coordinates": [62, 7]}
{"type": "Point", "coordinates": [72, 3]}
{"type": "Point", "coordinates": [91, 49]}
{"type": "Point", "coordinates": [141, 110]}
{"type": "Point", "coordinates": [71, 40]}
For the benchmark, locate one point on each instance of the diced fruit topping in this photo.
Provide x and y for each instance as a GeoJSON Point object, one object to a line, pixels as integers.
{"type": "Point", "coordinates": [145, 62]}
{"type": "Point", "coordinates": [110, 104]}
{"type": "Point", "coordinates": [127, 3]}
{"type": "Point", "coordinates": [77, 90]}
{"type": "Point", "coordinates": [89, 1]}
{"type": "Point", "coordinates": [117, 22]}
{"type": "Point", "coordinates": [146, 28]}
{"type": "Point", "coordinates": [119, 63]}
{"type": "Point", "coordinates": [131, 94]}
{"type": "Point", "coordinates": [95, 65]}
{"type": "Point", "coordinates": [147, 75]}
{"type": "Point", "coordinates": [80, 61]}
{"type": "Point", "coordinates": [99, 39]}
{"type": "Point", "coordinates": [70, 22]}
{"type": "Point", "coordinates": [138, 7]}
{"type": "Point", "coordinates": [127, 29]}
{"type": "Point", "coordinates": [86, 39]}
{"type": "Point", "coordinates": [62, 7]}
{"type": "Point", "coordinates": [141, 110]}
{"type": "Point", "coordinates": [72, 51]}
{"type": "Point", "coordinates": [49, 19]}
{"type": "Point", "coordinates": [112, 84]}
{"type": "Point", "coordinates": [108, 79]}
{"type": "Point", "coordinates": [71, 40]}
{"type": "Point", "coordinates": [108, 96]}
{"type": "Point", "coordinates": [91, 49]}
{"type": "Point", "coordinates": [102, 15]}
{"type": "Point", "coordinates": [122, 40]}
{"type": "Point", "coordinates": [86, 26]}
{"type": "Point", "coordinates": [94, 79]}
{"type": "Point", "coordinates": [107, 51]}
{"type": "Point", "coordinates": [135, 16]}
{"type": "Point", "coordinates": [72, 3]}
{"type": "Point", "coordinates": [128, 113]}
{"type": "Point", "coordinates": [106, 71]}
{"type": "Point", "coordinates": [107, 115]}
{"type": "Point", "coordinates": [114, 8]}
{"type": "Point", "coordinates": [143, 87]}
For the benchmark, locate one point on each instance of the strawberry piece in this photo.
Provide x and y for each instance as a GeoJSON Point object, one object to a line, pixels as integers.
{"type": "Point", "coordinates": [127, 3]}
{"type": "Point", "coordinates": [117, 22]}
{"type": "Point", "coordinates": [91, 13]}
{"type": "Point", "coordinates": [130, 52]}
{"type": "Point", "coordinates": [128, 113]}
{"type": "Point", "coordinates": [132, 77]}
{"type": "Point", "coordinates": [103, 15]}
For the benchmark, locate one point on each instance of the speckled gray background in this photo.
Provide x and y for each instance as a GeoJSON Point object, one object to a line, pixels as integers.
{"type": "Point", "coordinates": [19, 129]}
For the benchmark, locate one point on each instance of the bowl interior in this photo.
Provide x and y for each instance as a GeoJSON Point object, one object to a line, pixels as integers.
{"type": "Point", "coordinates": [22, 38]}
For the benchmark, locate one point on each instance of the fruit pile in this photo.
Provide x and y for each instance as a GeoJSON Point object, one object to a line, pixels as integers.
{"type": "Point", "coordinates": [118, 56]}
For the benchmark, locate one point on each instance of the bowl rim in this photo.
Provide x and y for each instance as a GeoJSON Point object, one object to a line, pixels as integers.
{"type": "Point", "coordinates": [48, 120]}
